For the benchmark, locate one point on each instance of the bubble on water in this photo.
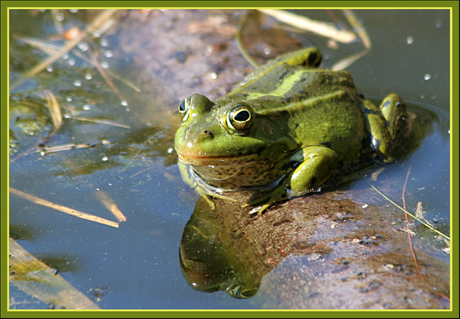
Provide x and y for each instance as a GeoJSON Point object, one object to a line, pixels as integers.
{"type": "Point", "coordinates": [124, 103]}
{"type": "Point", "coordinates": [49, 68]}
{"type": "Point", "coordinates": [88, 76]}
{"type": "Point", "coordinates": [427, 77]}
{"type": "Point", "coordinates": [73, 10]}
{"type": "Point", "coordinates": [66, 56]}
{"type": "Point", "coordinates": [104, 65]}
{"type": "Point", "coordinates": [60, 16]}
{"type": "Point", "coordinates": [105, 159]}
{"type": "Point", "coordinates": [108, 54]}
{"type": "Point", "coordinates": [83, 46]}
{"type": "Point", "coordinates": [77, 83]}
{"type": "Point", "coordinates": [87, 107]}
{"type": "Point", "coordinates": [71, 62]}
{"type": "Point", "coordinates": [104, 42]}
{"type": "Point", "coordinates": [410, 40]}
{"type": "Point", "coordinates": [69, 99]}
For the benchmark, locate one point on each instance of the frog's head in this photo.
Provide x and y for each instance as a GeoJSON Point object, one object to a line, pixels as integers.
{"type": "Point", "coordinates": [215, 132]}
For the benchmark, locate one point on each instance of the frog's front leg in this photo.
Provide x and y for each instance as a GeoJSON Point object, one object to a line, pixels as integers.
{"type": "Point", "coordinates": [189, 177]}
{"type": "Point", "coordinates": [389, 127]}
{"type": "Point", "coordinates": [316, 165]}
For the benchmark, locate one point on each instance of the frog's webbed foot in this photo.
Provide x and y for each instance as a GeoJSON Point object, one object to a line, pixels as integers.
{"type": "Point", "coordinates": [279, 193]}
{"type": "Point", "coordinates": [394, 112]}
{"type": "Point", "coordinates": [207, 196]}
{"type": "Point", "coordinates": [389, 127]}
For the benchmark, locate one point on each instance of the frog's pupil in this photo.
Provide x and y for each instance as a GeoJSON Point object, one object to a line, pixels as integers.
{"type": "Point", "coordinates": [242, 116]}
{"type": "Point", "coordinates": [182, 106]}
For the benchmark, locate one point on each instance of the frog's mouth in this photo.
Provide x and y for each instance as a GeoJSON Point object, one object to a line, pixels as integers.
{"type": "Point", "coordinates": [200, 160]}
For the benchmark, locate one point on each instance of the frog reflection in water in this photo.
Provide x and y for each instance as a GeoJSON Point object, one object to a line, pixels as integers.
{"type": "Point", "coordinates": [287, 128]}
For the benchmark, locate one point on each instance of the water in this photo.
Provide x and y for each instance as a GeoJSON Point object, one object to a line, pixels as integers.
{"type": "Point", "coordinates": [136, 266]}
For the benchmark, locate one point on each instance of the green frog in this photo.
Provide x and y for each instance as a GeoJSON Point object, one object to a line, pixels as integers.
{"type": "Point", "coordinates": [285, 130]}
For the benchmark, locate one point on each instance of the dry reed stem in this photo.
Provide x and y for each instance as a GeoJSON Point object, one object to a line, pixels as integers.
{"type": "Point", "coordinates": [108, 202]}
{"type": "Point", "coordinates": [64, 209]}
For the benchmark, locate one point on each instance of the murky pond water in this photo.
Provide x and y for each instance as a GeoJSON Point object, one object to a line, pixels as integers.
{"type": "Point", "coordinates": [120, 143]}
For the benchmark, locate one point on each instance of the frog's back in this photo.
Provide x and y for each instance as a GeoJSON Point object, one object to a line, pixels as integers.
{"type": "Point", "coordinates": [319, 107]}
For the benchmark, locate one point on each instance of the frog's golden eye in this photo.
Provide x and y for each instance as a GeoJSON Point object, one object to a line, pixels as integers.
{"type": "Point", "coordinates": [184, 108]}
{"type": "Point", "coordinates": [240, 117]}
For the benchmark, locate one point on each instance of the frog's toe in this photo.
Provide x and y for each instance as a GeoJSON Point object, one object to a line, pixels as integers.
{"type": "Point", "coordinates": [209, 201]}
{"type": "Point", "coordinates": [268, 200]}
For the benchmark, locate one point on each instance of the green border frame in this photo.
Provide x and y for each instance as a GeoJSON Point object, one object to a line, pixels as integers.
{"type": "Point", "coordinates": [454, 158]}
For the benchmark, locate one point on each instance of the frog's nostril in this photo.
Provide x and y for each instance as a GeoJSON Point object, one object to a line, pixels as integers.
{"type": "Point", "coordinates": [208, 134]}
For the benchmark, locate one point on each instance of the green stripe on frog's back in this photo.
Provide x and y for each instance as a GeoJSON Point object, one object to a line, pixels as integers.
{"type": "Point", "coordinates": [305, 103]}
{"type": "Point", "coordinates": [280, 90]}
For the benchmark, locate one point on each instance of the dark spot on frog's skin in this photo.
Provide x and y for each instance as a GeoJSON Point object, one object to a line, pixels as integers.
{"type": "Point", "coordinates": [208, 134]}
{"type": "Point", "coordinates": [387, 102]}
{"type": "Point", "coordinates": [289, 165]}
{"type": "Point", "coordinates": [369, 111]}
{"type": "Point", "coordinates": [327, 144]}
{"type": "Point", "coordinates": [312, 59]}
{"type": "Point", "coordinates": [313, 181]}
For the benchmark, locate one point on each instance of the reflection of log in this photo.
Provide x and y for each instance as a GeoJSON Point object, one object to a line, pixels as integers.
{"type": "Point", "coordinates": [329, 253]}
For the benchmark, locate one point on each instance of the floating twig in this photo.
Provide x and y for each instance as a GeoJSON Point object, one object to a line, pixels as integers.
{"type": "Point", "coordinates": [141, 171]}
{"type": "Point", "coordinates": [39, 280]}
{"type": "Point", "coordinates": [108, 202]}
{"type": "Point", "coordinates": [57, 23]}
{"type": "Point", "coordinates": [104, 75]}
{"type": "Point", "coordinates": [69, 45]}
{"type": "Point", "coordinates": [347, 61]}
{"type": "Point", "coordinates": [64, 147]}
{"type": "Point", "coordinates": [106, 122]}
{"type": "Point", "coordinates": [108, 72]}
{"type": "Point", "coordinates": [239, 42]}
{"type": "Point", "coordinates": [410, 234]}
{"type": "Point", "coordinates": [358, 27]}
{"type": "Point", "coordinates": [363, 35]}
{"type": "Point", "coordinates": [321, 28]}
{"type": "Point", "coordinates": [55, 110]}
{"type": "Point", "coordinates": [64, 209]}
{"type": "Point", "coordinates": [401, 208]}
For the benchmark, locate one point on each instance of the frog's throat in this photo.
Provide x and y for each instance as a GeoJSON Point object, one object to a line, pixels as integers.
{"type": "Point", "coordinates": [210, 189]}
{"type": "Point", "coordinates": [216, 160]}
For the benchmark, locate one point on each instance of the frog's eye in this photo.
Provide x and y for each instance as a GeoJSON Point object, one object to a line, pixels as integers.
{"type": "Point", "coordinates": [240, 117]}
{"type": "Point", "coordinates": [184, 108]}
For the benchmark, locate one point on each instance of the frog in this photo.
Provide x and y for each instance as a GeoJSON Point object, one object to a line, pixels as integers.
{"type": "Point", "coordinates": [286, 129]}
